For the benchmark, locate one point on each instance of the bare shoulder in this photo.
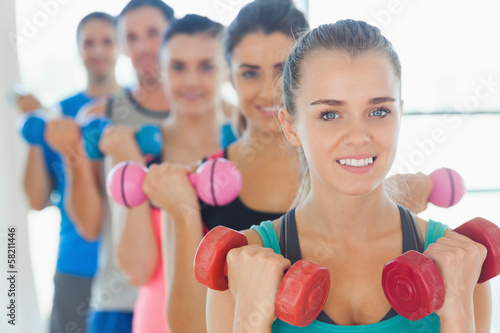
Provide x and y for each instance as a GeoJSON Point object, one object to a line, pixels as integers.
{"type": "Point", "coordinates": [254, 238]}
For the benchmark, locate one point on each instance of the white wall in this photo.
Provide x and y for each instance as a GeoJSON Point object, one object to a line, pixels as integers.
{"type": "Point", "coordinates": [12, 205]}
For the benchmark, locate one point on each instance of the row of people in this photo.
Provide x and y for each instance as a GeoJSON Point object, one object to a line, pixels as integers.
{"type": "Point", "coordinates": [342, 102]}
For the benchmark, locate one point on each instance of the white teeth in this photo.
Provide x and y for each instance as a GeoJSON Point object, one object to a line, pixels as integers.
{"type": "Point", "coordinates": [270, 109]}
{"type": "Point", "coordinates": [356, 163]}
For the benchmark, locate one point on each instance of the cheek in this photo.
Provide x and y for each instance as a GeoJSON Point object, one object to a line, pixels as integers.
{"type": "Point", "coordinates": [387, 139]}
{"type": "Point", "coordinates": [211, 86]}
{"type": "Point", "coordinates": [172, 82]}
{"type": "Point", "coordinates": [245, 90]}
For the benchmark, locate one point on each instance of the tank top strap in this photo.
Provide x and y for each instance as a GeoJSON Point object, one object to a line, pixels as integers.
{"type": "Point", "coordinates": [410, 231]}
{"type": "Point", "coordinates": [289, 238]}
{"type": "Point", "coordinates": [220, 154]}
{"type": "Point", "coordinates": [109, 107]}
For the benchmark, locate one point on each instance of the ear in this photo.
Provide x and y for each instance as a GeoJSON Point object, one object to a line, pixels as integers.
{"type": "Point", "coordinates": [289, 128]}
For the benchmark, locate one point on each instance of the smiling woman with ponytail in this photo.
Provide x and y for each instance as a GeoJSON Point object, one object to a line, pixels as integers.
{"type": "Point", "coordinates": [342, 109]}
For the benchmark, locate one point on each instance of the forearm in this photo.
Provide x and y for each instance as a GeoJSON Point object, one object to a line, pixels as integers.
{"type": "Point", "coordinates": [37, 183]}
{"type": "Point", "coordinates": [461, 320]}
{"type": "Point", "coordinates": [138, 247]}
{"type": "Point", "coordinates": [249, 318]}
{"type": "Point", "coordinates": [410, 190]}
{"type": "Point", "coordinates": [84, 200]}
{"type": "Point", "coordinates": [186, 304]}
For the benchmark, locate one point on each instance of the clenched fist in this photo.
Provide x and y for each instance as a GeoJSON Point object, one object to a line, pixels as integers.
{"type": "Point", "coordinates": [167, 186]}
{"type": "Point", "coordinates": [119, 142]}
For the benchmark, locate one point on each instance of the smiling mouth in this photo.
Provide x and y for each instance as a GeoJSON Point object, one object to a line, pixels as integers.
{"type": "Point", "coordinates": [191, 96]}
{"type": "Point", "coordinates": [269, 111]}
{"type": "Point", "coordinates": [364, 162]}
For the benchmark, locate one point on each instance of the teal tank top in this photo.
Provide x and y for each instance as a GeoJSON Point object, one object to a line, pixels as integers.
{"type": "Point", "coordinates": [428, 324]}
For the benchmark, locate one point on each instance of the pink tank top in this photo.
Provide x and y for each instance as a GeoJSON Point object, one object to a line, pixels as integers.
{"type": "Point", "coordinates": [150, 307]}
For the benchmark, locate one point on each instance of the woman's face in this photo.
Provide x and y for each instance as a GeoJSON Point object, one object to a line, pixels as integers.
{"type": "Point", "coordinates": [194, 69]}
{"type": "Point", "coordinates": [348, 119]}
{"type": "Point", "coordinates": [256, 67]}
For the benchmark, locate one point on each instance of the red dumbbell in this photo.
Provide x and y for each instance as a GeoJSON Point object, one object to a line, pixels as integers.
{"type": "Point", "coordinates": [302, 292]}
{"type": "Point", "coordinates": [413, 284]}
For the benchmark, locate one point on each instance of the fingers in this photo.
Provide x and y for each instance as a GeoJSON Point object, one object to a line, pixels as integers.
{"type": "Point", "coordinates": [258, 255]}
{"type": "Point", "coordinates": [159, 175]}
{"type": "Point", "coordinates": [462, 247]}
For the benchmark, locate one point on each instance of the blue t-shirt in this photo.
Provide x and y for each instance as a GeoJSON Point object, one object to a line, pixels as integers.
{"type": "Point", "coordinates": [76, 255]}
{"type": "Point", "coordinates": [226, 135]}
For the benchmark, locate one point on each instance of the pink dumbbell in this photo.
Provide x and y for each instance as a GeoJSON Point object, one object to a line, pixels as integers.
{"type": "Point", "coordinates": [449, 187]}
{"type": "Point", "coordinates": [217, 182]}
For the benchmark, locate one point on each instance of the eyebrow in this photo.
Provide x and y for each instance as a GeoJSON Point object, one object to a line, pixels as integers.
{"type": "Point", "coordinates": [335, 102]}
{"type": "Point", "coordinates": [280, 64]}
{"type": "Point", "coordinates": [250, 66]}
{"type": "Point", "coordinates": [202, 61]}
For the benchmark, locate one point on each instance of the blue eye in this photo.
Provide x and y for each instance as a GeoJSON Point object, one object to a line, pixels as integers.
{"type": "Point", "coordinates": [207, 68]}
{"type": "Point", "coordinates": [249, 74]}
{"type": "Point", "coordinates": [381, 113]}
{"type": "Point", "coordinates": [177, 67]}
{"type": "Point", "coordinates": [329, 115]}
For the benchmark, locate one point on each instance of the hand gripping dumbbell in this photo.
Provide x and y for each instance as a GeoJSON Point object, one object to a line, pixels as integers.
{"type": "Point", "coordinates": [149, 137]}
{"type": "Point", "coordinates": [301, 294]}
{"type": "Point", "coordinates": [31, 126]}
{"type": "Point", "coordinates": [413, 284]}
{"type": "Point", "coordinates": [217, 182]}
{"type": "Point", "coordinates": [449, 187]}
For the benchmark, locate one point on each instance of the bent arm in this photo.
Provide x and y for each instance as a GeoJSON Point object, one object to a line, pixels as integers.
{"type": "Point", "coordinates": [84, 200]}
{"type": "Point", "coordinates": [226, 315]}
{"type": "Point", "coordinates": [37, 181]}
{"type": "Point", "coordinates": [138, 247]}
{"type": "Point", "coordinates": [410, 190]}
{"type": "Point", "coordinates": [473, 316]}
{"type": "Point", "coordinates": [187, 298]}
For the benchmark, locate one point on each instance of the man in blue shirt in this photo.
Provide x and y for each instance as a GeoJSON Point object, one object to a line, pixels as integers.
{"type": "Point", "coordinates": [44, 173]}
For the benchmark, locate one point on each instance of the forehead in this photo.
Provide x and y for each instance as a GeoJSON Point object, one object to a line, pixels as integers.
{"type": "Point", "coordinates": [95, 28]}
{"type": "Point", "coordinates": [261, 49]}
{"type": "Point", "coordinates": [144, 18]}
{"type": "Point", "coordinates": [339, 75]}
{"type": "Point", "coordinates": [186, 47]}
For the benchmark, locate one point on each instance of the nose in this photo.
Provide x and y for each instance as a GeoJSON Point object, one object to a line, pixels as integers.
{"type": "Point", "coordinates": [357, 133]}
{"type": "Point", "coordinates": [143, 45]}
{"type": "Point", "coordinates": [191, 78]}
{"type": "Point", "coordinates": [98, 50]}
{"type": "Point", "coordinates": [268, 88]}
